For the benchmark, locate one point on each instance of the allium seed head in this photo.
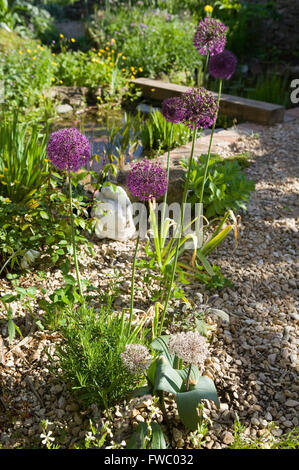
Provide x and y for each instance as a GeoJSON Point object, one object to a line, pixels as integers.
{"type": "Point", "coordinates": [191, 347]}
{"type": "Point", "coordinates": [136, 358]}
{"type": "Point", "coordinates": [201, 108]}
{"type": "Point", "coordinates": [210, 36]}
{"type": "Point", "coordinates": [68, 149]}
{"type": "Point", "coordinates": [223, 65]}
{"type": "Point", "coordinates": [147, 180]}
{"type": "Point", "coordinates": [173, 110]}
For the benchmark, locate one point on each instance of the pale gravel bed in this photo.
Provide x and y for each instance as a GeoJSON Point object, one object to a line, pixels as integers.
{"type": "Point", "coordinates": [253, 360]}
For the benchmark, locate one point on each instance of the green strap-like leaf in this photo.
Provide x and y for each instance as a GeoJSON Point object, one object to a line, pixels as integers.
{"type": "Point", "coordinates": [137, 440]}
{"type": "Point", "coordinates": [160, 344]}
{"type": "Point", "coordinates": [194, 376]}
{"type": "Point", "coordinates": [167, 379]}
{"type": "Point", "coordinates": [187, 402]}
{"type": "Point", "coordinates": [158, 439]}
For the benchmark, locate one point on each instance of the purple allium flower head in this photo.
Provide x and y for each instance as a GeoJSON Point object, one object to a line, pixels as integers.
{"type": "Point", "coordinates": [68, 149]}
{"type": "Point", "coordinates": [223, 65]}
{"type": "Point", "coordinates": [201, 108]}
{"type": "Point", "coordinates": [147, 180]}
{"type": "Point", "coordinates": [173, 109]}
{"type": "Point", "coordinates": [210, 36]}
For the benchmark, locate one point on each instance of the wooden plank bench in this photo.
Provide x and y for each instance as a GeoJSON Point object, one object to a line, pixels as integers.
{"type": "Point", "coordinates": [235, 106]}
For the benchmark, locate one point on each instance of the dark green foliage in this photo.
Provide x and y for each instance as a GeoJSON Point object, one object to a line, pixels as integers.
{"type": "Point", "coordinates": [272, 89]}
{"type": "Point", "coordinates": [227, 187]}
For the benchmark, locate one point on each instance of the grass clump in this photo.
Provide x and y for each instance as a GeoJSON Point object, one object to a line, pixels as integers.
{"type": "Point", "coordinates": [90, 355]}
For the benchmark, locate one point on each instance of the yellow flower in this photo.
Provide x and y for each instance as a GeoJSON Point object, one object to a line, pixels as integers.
{"type": "Point", "coordinates": [107, 48]}
{"type": "Point", "coordinates": [124, 57]}
{"type": "Point", "coordinates": [61, 35]}
{"type": "Point", "coordinates": [140, 69]}
{"type": "Point", "coordinates": [28, 50]}
{"type": "Point", "coordinates": [54, 63]}
{"type": "Point", "coordinates": [46, 160]}
{"type": "Point", "coordinates": [34, 58]}
{"type": "Point", "coordinates": [53, 54]}
{"type": "Point", "coordinates": [7, 200]}
{"type": "Point", "coordinates": [4, 182]}
{"type": "Point", "coordinates": [132, 68]}
{"type": "Point", "coordinates": [112, 51]}
{"type": "Point", "coordinates": [52, 79]}
{"type": "Point", "coordinates": [123, 70]}
{"type": "Point", "coordinates": [20, 52]}
{"type": "Point", "coordinates": [119, 54]}
{"type": "Point", "coordinates": [153, 89]}
{"type": "Point", "coordinates": [208, 9]}
{"type": "Point", "coordinates": [132, 77]}
{"type": "Point", "coordinates": [1, 176]}
{"type": "Point", "coordinates": [60, 81]}
{"type": "Point", "coordinates": [113, 40]}
{"type": "Point", "coordinates": [73, 39]}
{"type": "Point", "coordinates": [111, 64]}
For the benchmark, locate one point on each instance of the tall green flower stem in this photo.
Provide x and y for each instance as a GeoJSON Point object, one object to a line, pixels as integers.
{"type": "Point", "coordinates": [205, 70]}
{"type": "Point", "coordinates": [165, 195]}
{"type": "Point", "coordinates": [132, 284]}
{"type": "Point", "coordinates": [179, 233]}
{"type": "Point", "coordinates": [210, 147]}
{"type": "Point", "coordinates": [74, 236]}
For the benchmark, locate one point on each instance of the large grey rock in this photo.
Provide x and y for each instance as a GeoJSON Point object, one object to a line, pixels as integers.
{"type": "Point", "coordinates": [64, 109]}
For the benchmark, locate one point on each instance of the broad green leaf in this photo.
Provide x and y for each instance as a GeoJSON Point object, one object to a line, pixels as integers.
{"type": "Point", "coordinates": [140, 391]}
{"type": "Point", "coordinates": [137, 440]}
{"type": "Point", "coordinates": [11, 330]}
{"type": "Point", "coordinates": [158, 439]}
{"type": "Point", "coordinates": [166, 378]}
{"type": "Point", "coordinates": [187, 402]}
{"type": "Point", "coordinates": [205, 263]}
{"type": "Point", "coordinates": [194, 376]}
{"type": "Point", "coordinates": [219, 313]}
{"type": "Point", "coordinates": [161, 344]}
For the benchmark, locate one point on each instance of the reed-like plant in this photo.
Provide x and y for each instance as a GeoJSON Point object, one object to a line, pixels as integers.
{"type": "Point", "coordinates": [23, 163]}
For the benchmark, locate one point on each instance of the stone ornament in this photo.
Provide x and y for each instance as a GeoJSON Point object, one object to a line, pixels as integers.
{"type": "Point", "coordinates": [114, 214]}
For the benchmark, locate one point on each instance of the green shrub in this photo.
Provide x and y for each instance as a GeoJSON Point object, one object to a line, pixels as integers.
{"type": "Point", "coordinates": [157, 42]}
{"type": "Point", "coordinates": [227, 187]}
{"type": "Point", "coordinates": [26, 73]}
{"type": "Point", "coordinates": [90, 355]}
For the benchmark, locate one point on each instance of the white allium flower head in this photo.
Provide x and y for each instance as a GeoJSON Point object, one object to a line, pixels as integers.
{"type": "Point", "coordinates": [191, 347]}
{"type": "Point", "coordinates": [136, 358]}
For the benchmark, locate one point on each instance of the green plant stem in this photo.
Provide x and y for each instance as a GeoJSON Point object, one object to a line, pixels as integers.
{"type": "Point", "coordinates": [210, 147]}
{"type": "Point", "coordinates": [188, 378]}
{"type": "Point", "coordinates": [180, 231]}
{"type": "Point", "coordinates": [74, 235]}
{"type": "Point", "coordinates": [165, 195]}
{"type": "Point", "coordinates": [132, 285]}
{"type": "Point", "coordinates": [205, 70]}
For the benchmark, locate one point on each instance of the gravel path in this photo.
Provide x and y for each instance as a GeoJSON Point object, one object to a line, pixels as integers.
{"type": "Point", "coordinates": [254, 358]}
